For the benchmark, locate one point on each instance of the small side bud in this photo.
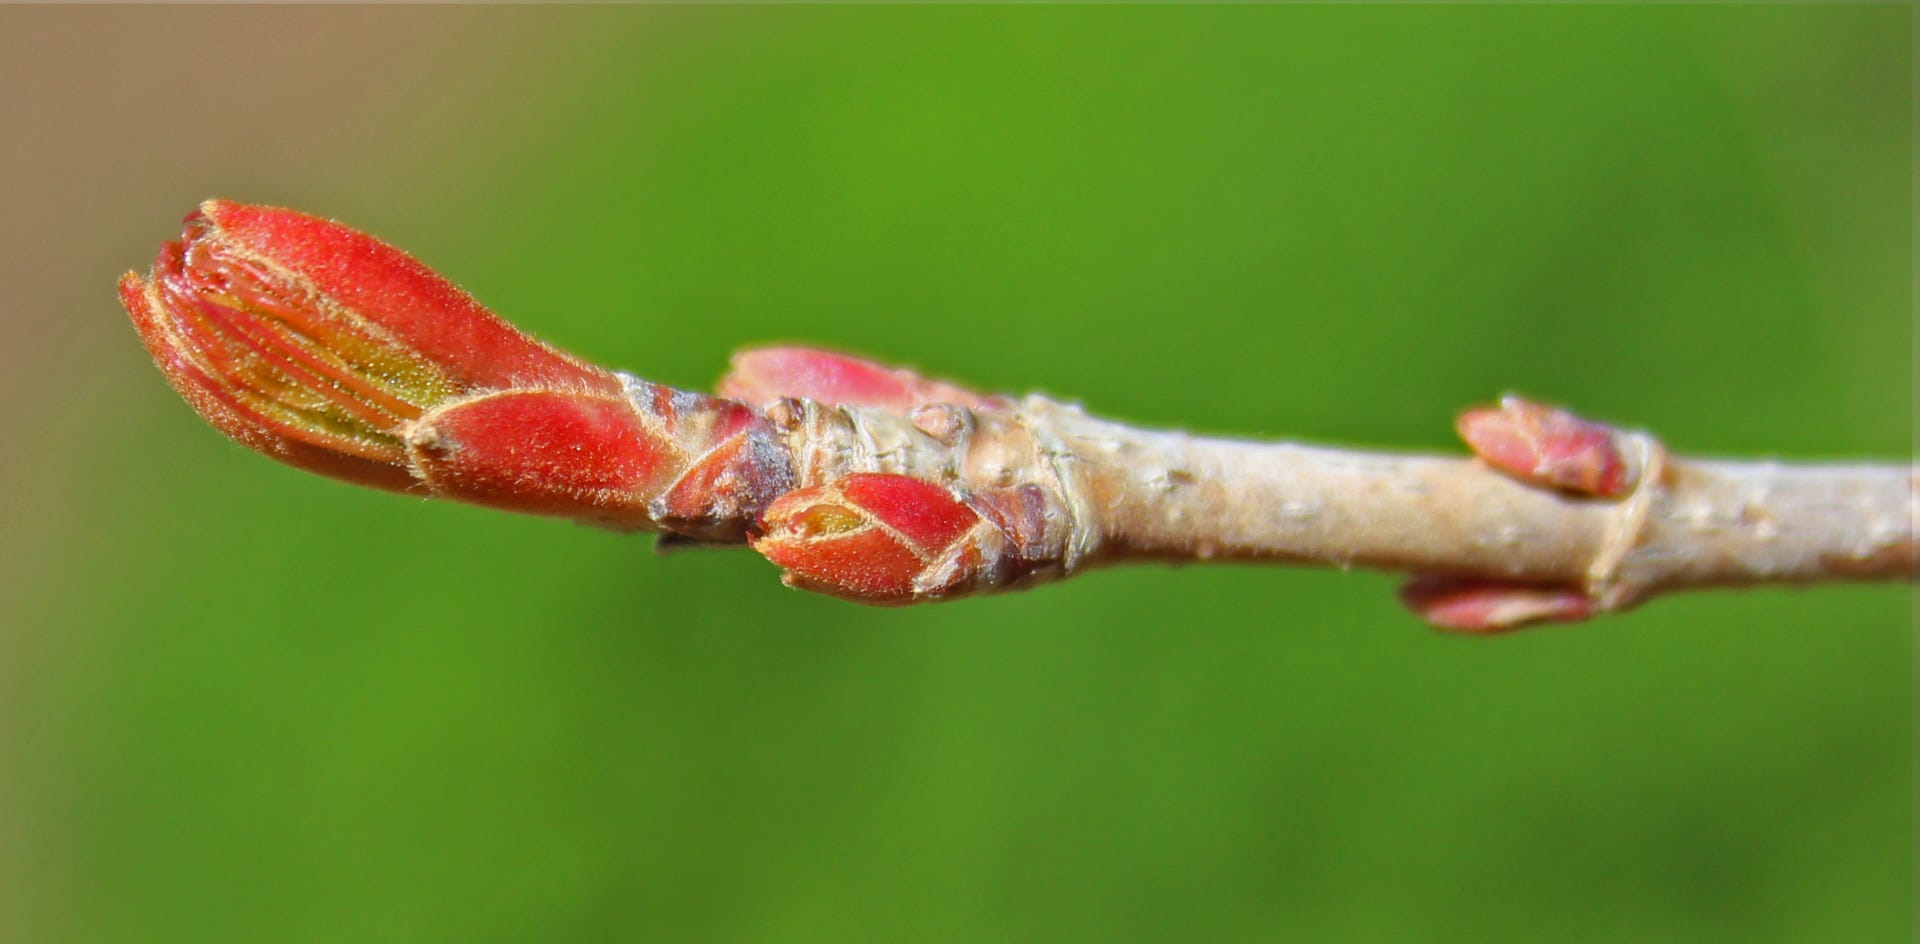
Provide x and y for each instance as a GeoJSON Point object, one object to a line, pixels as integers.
{"type": "Point", "coordinates": [872, 538]}
{"type": "Point", "coordinates": [1489, 607]}
{"type": "Point", "coordinates": [765, 374]}
{"type": "Point", "coordinates": [945, 422]}
{"type": "Point", "coordinates": [1550, 447]}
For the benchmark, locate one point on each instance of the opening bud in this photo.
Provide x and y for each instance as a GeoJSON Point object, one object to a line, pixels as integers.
{"type": "Point", "coordinates": [318, 344]}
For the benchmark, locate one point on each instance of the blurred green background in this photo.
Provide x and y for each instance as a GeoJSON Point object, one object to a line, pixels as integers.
{"type": "Point", "coordinates": [238, 703]}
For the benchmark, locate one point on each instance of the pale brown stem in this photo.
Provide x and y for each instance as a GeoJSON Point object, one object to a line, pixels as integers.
{"type": "Point", "coordinates": [1120, 494]}
{"type": "Point", "coordinates": [1688, 524]}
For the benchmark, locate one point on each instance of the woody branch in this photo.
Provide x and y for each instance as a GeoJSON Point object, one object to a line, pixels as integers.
{"type": "Point", "coordinates": [332, 351]}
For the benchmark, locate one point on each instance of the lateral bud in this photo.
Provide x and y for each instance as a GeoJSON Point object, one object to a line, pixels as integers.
{"type": "Point", "coordinates": [1551, 447]}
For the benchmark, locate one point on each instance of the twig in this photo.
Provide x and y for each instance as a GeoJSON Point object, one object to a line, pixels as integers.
{"type": "Point", "coordinates": [332, 351]}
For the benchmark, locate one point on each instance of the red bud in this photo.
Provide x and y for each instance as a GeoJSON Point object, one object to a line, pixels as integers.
{"type": "Point", "coordinates": [1489, 607]}
{"type": "Point", "coordinates": [761, 376]}
{"type": "Point", "coordinates": [316, 344]}
{"type": "Point", "coordinates": [871, 537]}
{"type": "Point", "coordinates": [333, 351]}
{"type": "Point", "coordinates": [1550, 447]}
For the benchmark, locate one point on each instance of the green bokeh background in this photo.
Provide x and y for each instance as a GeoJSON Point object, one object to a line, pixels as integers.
{"type": "Point", "coordinates": [244, 704]}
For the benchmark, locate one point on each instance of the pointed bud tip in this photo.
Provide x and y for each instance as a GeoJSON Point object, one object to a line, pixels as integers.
{"type": "Point", "coordinates": [236, 411]}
